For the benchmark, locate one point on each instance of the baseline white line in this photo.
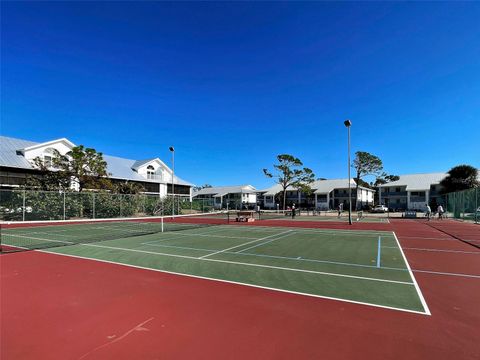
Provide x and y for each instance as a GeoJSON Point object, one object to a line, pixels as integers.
{"type": "Point", "coordinates": [249, 264]}
{"type": "Point", "coordinates": [420, 295]}
{"type": "Point", "coordinates": [237, 283]}
{"type": "Point", "coordinates": [249, 242]}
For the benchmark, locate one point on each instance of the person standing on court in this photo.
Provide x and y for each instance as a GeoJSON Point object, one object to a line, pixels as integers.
{"type": "Point", "coordinates": [293, 211]}
{"type": "Point", "coordinates": [440, 212]}
{"type": "Point", "coordinates": [428, 212]}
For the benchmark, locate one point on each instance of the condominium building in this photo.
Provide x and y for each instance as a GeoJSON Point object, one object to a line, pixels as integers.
{"type": "Point", "coordinates": [412, 192]}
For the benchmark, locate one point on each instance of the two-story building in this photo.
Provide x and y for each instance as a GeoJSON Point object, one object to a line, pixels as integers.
{"type": "Point", "coordinates": [329, 194]}
{"type": "Point", "coordinates": [412, 192]}
{"type": "Point", "coordinates": [232, 197]}
{"type": "Point", "coordinates": [326, 195]}
{"type": "Point", "coordinates": [17, 164]}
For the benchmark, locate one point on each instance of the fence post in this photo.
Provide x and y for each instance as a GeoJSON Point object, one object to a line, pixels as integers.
{"type": "Point", "coordinates": [93, 205]}
{"type": "Point", "coordinates": [476, 205]}
{"type": "Point", "coordinates": [454, 204]}
{"type": "Point", "coordinates": [64, 206]}
{"type": "Point", "coordinates": [23, 207]}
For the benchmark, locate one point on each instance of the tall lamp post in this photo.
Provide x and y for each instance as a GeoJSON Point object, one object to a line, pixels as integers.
{"type": "Point", "coordinates": [348, 124]}
{"type": "Point", "coordinates": [172, 150]}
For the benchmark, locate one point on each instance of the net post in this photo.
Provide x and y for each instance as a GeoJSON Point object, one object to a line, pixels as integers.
{"type": "Point", "coordinates": [161, 220]}
{"type": "Point", "coordinates": [93, 205]}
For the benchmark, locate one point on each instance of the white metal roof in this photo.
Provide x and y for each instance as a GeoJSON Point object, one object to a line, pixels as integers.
{"type": "Point", "coordinates": [417, 182]}
{"type": "Point", "coordinates": [218, 191]}
{"type": "Point", "coordinates": [275, 189]}
{"type": "Point", "coordinates": [326, 186]}
{"type": "Point", "coordinates": [10, 155]}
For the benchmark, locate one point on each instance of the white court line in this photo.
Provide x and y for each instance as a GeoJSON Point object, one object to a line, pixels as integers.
{"type": "Point", "coordinates": [26, 233]}
{"type": "Point", "coordinates": [353, 232]}
{"type": "Point", "coordinates": [249, 242]}
{"type": "Point", "coordinates": [250, 264]}
{"type": "Point", "coordinates": [420, 295]}
{"type": "Point", "coordinates": [427, 238]}
{"type": "Point", "coordinates": [263, 243]}
{"type": "Point", "coordinates": [35, 238]}
{"type": "Point", "coordinates": [236, 283]}
{"type": "Point", "coordinates": [437, 250]}
{"type": "Point", "coordinates": [447, 273]}
{"type": "Point", "coordinates": [212, 236]}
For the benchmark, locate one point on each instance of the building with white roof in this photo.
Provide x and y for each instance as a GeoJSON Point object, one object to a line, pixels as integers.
{"type": "Point", "coordinates": [327, 194]}
{"type": "Point", "coordinates": [412, 192]}
{"type": "Point", "coordinates": [237, 196]}
{"type": "Point", "coordinates": [17, 163]}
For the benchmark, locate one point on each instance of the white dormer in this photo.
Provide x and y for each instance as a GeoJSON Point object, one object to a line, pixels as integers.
{"type": "Point", "coordinates": [153, 169]}
{"type": "Point", "coordinates": [46, 150]}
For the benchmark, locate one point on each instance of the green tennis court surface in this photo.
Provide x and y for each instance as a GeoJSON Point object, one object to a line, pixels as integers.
{"type": "Point", "coordinates": [367, 267]}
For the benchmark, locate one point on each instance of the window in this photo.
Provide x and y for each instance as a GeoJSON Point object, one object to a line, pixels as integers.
{"type": "Point", "coordinates": [150, 172]}
{"type": "Point", "coordinates": [47, 160]}
{"type": "Point", "coordinates": [48, 157]}
{"type": "Point", "coordinates": [397, 189]}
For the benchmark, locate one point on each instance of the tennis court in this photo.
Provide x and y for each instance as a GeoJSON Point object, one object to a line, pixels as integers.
{"type": "Point", "coordinates": [366, 267]}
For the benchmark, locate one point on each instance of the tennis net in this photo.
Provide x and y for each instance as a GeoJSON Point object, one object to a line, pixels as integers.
{"type": "Point", "coordinates": [276, 214]}
{"type": "Point", "coordinates": [16, 236]}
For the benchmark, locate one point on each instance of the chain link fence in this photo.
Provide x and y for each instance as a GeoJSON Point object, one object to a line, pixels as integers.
{"type": "Point", "coordinates": [28, 205]}
{"type": "Point", "coordinates": [464, 205]}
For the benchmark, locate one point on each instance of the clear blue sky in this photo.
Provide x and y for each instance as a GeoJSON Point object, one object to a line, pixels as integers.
{"type": "Point", "coordinates": [231, 85]}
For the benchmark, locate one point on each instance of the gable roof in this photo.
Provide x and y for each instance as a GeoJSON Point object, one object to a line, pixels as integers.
{"type": "Point", "coordinates": [47, 143]}
{"type": "Point", "coordinates": [139, 163]}
{"type": "Point", "coordinates": [217, 191]}
{"type": "Point", "coordinates": [275, 189]}
{"type": "Point", "coordinates": [417, 182]}
{"type": "Point", "coordinates": [118, 168]}
{"type": "Point", "coordinates": [326, 186]}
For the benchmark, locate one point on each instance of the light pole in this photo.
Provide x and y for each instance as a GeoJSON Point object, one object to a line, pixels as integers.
{"type": "Point", "coordinates": [348, 124]}
{"type": "Point", "coordinates": [172, 150]}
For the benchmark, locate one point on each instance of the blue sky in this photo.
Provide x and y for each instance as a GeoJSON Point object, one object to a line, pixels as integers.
{"type": "Point", "coordinates": [231, 85]}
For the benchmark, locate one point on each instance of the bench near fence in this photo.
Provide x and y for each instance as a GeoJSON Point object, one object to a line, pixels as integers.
{"type": "Point", "coordinates": [245, 216]}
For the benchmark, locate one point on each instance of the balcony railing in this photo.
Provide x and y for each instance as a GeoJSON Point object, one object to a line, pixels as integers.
{"type": "Point", "coordinates": [154, 177]}
{"type": "Point", "coordinates": [394, 193]}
